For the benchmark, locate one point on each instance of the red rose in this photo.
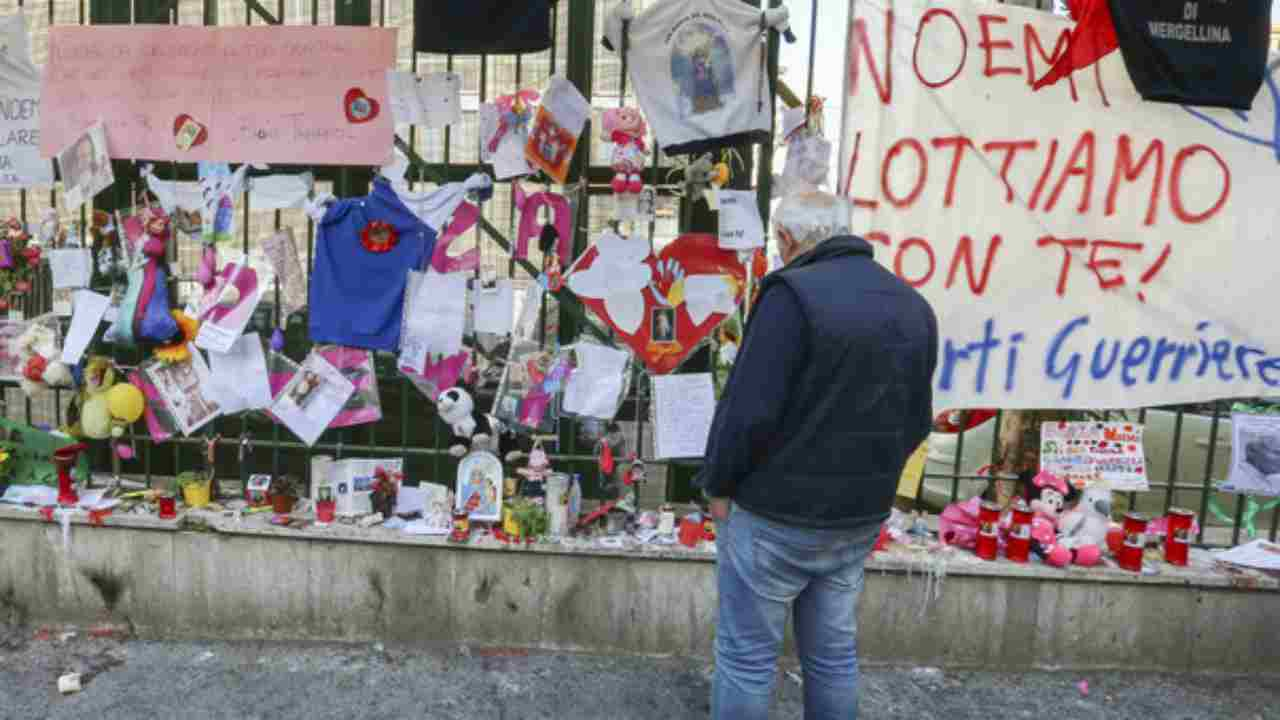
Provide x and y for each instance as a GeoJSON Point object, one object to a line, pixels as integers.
{"type": "Point", "coordinates": [32, 254]}
{"type": "Point", "coordinates": [34, 370]}
{"type": "Point", "coordinates": [22, 286]}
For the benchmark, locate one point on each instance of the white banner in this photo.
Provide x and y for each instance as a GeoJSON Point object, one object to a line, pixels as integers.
{"type": "Point", "coordinates": [1082, 248]}
{"type": "Point", "coordinates": [20, 161]}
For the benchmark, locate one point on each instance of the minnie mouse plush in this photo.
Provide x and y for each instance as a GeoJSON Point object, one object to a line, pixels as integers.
{"type": "Point", "coordinates": [1047, 495]}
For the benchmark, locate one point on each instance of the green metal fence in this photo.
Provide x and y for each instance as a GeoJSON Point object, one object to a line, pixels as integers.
{"type": "Point", "coordinates": [1190, 456]}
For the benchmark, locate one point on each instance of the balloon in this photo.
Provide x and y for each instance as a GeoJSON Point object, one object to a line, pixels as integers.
{"type": "Point", "coordinates": [126, 402]}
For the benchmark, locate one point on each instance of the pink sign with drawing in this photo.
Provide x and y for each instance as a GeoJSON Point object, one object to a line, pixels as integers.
{"type": "Point", "coordinates": [314, 95]}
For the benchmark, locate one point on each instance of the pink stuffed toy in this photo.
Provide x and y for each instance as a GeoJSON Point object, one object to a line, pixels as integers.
{"type": "Point", "coordinates": [1047, 494]}
{"type": "Point", "coordinates": [625, 128]}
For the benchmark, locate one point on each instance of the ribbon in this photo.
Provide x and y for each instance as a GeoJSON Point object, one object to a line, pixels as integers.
{"type": "Point", "coordinates": [1247, 518]}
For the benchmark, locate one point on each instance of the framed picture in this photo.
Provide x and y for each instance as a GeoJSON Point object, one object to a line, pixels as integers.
{"type": "Point", "coordinates": [479, 488]}
{"type": "Point", "coordinates": [664, 325]}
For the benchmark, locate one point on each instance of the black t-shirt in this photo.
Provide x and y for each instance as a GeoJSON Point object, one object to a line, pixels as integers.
{"type": "Point", "coordinates": [1195, 52]}
{"type": "Point", "coordinates": [481, 26]}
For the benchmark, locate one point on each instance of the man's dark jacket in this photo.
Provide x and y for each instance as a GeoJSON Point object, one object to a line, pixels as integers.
{"type": "Point", "coordinates": [829, 395]}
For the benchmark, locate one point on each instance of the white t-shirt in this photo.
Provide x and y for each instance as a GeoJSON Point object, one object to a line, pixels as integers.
{"type": "Point", "coordinates": [699, 72]}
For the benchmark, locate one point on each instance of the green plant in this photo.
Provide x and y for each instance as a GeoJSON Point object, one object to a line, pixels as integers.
{"type": "Point", "coordinates": [284, 486]}
{"type": "Point", "coordinates": [530, 516]}
{"type": "Point", "coordinates": [187, 479]}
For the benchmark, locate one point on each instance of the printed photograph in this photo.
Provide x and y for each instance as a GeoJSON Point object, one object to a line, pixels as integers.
{"type": "Point", "coordinates": [86, 167]}
{"type": "Point", "coordinates": [663, 325]}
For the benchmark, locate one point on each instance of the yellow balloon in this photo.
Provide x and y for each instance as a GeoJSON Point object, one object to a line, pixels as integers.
{"type": "Point", "coordinates": [126, 402]}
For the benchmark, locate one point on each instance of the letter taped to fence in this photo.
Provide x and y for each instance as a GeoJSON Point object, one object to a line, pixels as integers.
{"type": "Point", "coordinates": [310, 95]}
{"type": "Point", "coordinates": [1083, 248]}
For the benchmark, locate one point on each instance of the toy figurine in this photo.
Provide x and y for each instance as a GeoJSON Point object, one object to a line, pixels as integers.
{"type": "Point", "coordinates": [1047, 493]}
{"type": "Point", "coordinates": [626, 129]}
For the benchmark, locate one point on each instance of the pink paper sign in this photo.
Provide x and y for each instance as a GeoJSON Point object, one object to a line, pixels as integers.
{"type": "Point", "coordinates": [312, 95]}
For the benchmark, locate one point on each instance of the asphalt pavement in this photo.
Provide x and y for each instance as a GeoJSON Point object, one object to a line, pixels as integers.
{"type": "Point", "coordinates": [271, 680]}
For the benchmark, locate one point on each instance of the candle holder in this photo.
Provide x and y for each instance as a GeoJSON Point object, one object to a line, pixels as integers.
{"type": "Point", "coordinates": [64, 459]}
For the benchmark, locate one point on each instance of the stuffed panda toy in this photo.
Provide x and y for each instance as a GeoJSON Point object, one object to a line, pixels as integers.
{"type": "Point", "coordinates": [474, 430]}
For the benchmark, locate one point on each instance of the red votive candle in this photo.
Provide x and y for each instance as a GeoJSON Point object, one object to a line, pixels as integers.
{"type": "Point", "coordinates": [988, 537]}
{"type": "Point", "coordinates": [1177, 539]}
{"type": "Point", "coordinates": [1135, 539]}
{"type": "Point", "coordinates": [1018, 548]}
{"type": "Point", "coordinates": [168, 507]}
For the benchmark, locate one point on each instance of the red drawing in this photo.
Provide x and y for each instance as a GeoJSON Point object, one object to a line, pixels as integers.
{"type": "Point", "coordinates": [667, 331]}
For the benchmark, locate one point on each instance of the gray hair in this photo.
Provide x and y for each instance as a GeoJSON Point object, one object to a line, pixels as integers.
{"type": "Point", "coordinates": [812, 217]}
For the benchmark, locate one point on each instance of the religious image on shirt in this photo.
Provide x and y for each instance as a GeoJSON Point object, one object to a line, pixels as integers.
{"type": "Point", "coordinates": [701, 67]}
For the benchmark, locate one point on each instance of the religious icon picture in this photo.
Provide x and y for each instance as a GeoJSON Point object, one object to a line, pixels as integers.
{"type": "Point", "coordinates": [664, 325]}
{"type": "Point", "coordinates": [305, 389]}
{"type": "Point", "coordinates": [479, 487]}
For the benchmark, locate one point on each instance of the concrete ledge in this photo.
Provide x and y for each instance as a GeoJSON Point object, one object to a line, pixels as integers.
{"type": "Point", "coordinates": [253, 580]}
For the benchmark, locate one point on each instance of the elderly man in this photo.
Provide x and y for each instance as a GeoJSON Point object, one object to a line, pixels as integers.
{"type": "Point", "coordinates": [829, 395]}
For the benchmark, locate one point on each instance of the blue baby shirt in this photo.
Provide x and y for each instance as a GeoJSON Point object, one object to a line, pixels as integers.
{"type": "Point", "coordinates": [357, 295]}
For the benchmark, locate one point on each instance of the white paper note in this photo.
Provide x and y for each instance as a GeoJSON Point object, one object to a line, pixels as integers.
{"type": "Point", "coordinates": [71, 268]}
{"type": "Point", "coordinates": [239, 377]}
{"type": "Point", "coordinates": [684, 406]}
{"type": "Point", "coordinates": [740, 224]}
{"type": "Point", "coordinates": [402, 90]}
{"type": "Point", "coordinates": [312, 399]}
{"type": "Point", "coordinates": [89, 308]}
{"type": "Point", "coordinates": [595, 387]}
{"type": "Point", "coordinates": [410, 500]}
{"type": "Point", "coordinates": [440, 95]}
{"type": "Point", "coordinates": [1258, 554]}
{"type": "Point", "coordinates": [435, 318]}
{"type": "Point", "coordinates": [494, 308]}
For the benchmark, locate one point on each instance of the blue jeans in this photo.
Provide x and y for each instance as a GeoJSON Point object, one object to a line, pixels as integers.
{"type": "Point", "coordinates": [763, 567]}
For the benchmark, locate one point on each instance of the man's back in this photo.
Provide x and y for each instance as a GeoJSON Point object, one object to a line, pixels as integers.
{"type": "Point", "coordinates": [858, 388]}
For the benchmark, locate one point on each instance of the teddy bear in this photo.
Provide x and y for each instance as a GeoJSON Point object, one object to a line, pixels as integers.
{"type": "Point", "coordinates": [1047, 494]}
{"type": "Point", "coordinates": [40, 359]}
{"type": "Point", "coordinates": [474, 430]}
{"type": "Point", "coordinates": [626, 129]}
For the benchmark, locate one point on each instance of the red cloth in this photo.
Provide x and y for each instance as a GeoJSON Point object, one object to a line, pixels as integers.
{"type": "Point", "coordinates": [1092, 39]}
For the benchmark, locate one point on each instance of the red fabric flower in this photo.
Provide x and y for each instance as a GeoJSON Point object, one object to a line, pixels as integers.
{"type": "Point", "coordinates": [378, 237]}
{"type": "Point", "coordinates": [34, 371]}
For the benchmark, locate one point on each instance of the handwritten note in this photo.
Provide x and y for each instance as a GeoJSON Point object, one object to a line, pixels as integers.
{"type": "Point", "coordinates": [494, 308]}
{"type": "Point", "coordinates": [595, 387]}
{"type": "Point", "coordinates": [235, 94]}
{"type": "Point", "coordinates": [282, 254]}
{"type": "Point", "coordinates": [740, 224]}
{"type": "Point", "coordinates": [239, 376]}
{"type": "Point", "coordinates": [71, 268]}
{"type": "Point", "coordinates": [1088, 452]}
{"type": "Point", "coordinates": [89, 309]}
{"type": "Point", "coordinates": [683, 406]}
{"type": "Point", "coordinates": [435, 317]}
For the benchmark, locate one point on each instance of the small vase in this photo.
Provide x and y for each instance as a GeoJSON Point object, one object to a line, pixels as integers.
{"type": "Point", "coordinates": [282, 504]}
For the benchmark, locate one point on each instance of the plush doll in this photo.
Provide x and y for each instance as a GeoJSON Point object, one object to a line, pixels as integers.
{"type": "Point", "coordinates": [1047, 494]}
{"type": "Point", "coordinates": [39, 357]}
{"type": "Point", "coordinates": [625, 128]}
{"type": "Point", "coordinates": [1086, 524]}
{"type": "Point", "coordinates": [472, 429]}
{"type": "Point", "coordinates": [145, 314]}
